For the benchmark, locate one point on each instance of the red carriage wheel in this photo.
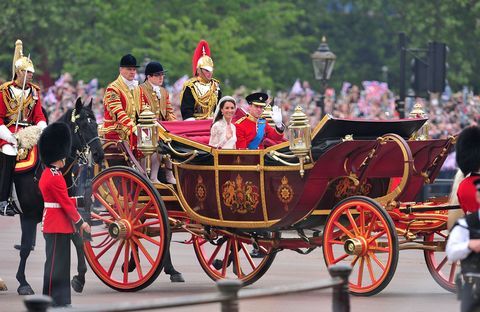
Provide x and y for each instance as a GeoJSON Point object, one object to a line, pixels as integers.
{"type": "Point", "coordinates": [131, 227]}
{"type": "Point", "coordinates": [442, 270]}
{"type": "Point", "coordinates": [228, 256]}
{"type": "Point", "coordinates": [360, 233]}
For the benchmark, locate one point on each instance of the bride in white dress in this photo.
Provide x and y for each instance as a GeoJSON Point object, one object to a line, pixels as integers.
{"type": "Point", "coordinates": [223, 132]}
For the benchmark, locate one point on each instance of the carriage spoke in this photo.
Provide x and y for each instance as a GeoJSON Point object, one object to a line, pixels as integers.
{"type": "Point", "coordinates": [126, 198]}
{"type": "Point", "coordinates": [354, 261]}
{"type": "Point", "coordinates": [107, 206]}
{"type": "Point", "coordinates": [377, 236]}
{"type": "Point", "coordinates": [125, 263]}
{"type": "Point", "coordinates": [370, 270]}
{"type": "Point", "coordinates": [105, 249]}
{"type": "Point", "coordinates": [225, 258]}
{"type": "Point", "coordinates": [340, 258]}
{"type": "Point", "coordinates": [370, 226]}
{"type": "Point", "coordinates": [115, 258]}
{"type": "Point", "coordinates": [144, 251]}
{"type": "Point", "coordinates": [360, 272]}
{"type": "Point", "coordinates": [441, 264]}
{"type": "Point", "coordinates": [102, 233]}
{"type": "Point", "coordinates": [114, 195]}
{"type": "Point", "coordinates": [453, 270]}
{"type": "Point", "coordinates": [362, 221]}
{"type": "Point", "coordinates": [142, 211]}
{"type": "Point", "coordinates": [377, 261]}
{"type": "Point", "coordinates": [215, 253]}
{"type": "Point", "coordinates": [344, 229]}
{"type": "Point", "coordinates": [141, 225]}
{"type": "Point", "coordinates": [134, 200]}
{"type": "Point", "coordinates": [148, 238]}
{"type": "Point", "coordinates": [352, 222]}
{"type": "Point", "coordinates": [376, 248]}
{"type": "Point", "coordinates": [335, 242]}
{"type": "Point", "coordinates": [105, 220]}
{"type": "Point", "coordinates": [135, 258]}
{"type": "Point", "coordinates": [236, 260]}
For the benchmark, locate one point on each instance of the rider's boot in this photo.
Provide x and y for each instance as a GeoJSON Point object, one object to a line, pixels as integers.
{"type": "Point", "coordinates": [7, 168]}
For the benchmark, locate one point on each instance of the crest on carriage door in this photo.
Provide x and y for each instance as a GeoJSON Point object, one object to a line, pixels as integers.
{"type": "Point", "coordinates": [285, 193]}
{"type": "Point", "coordinates": [241, 197]}
{"type": "Point", "coordinates": [200, 192]}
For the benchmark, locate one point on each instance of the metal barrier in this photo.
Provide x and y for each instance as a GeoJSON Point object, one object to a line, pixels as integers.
{"type": "Point", "coordinates": [228, 296]}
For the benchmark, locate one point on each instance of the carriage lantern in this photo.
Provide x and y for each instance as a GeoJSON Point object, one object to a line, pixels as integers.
{"type": "Point", "coordinates": [300, 140]}
{"type": "Point", "coordinates": [147, 135]}
{"type": "Point", "coordinates": [418, 112]}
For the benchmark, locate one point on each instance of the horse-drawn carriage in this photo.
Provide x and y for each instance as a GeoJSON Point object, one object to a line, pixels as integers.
{"type": "Point", "coordinates": [349, 186]}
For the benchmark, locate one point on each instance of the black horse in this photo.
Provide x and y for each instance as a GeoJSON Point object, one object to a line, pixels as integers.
{"type": "Point", "coordinates": [83, 128]}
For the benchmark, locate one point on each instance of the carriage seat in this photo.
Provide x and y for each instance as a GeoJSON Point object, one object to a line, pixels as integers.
{"type": "Point", "coordinates": [195, 130]}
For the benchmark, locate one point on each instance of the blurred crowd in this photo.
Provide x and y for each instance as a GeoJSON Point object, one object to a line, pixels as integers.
{"type": "Point", "coordinates": [448, 113]}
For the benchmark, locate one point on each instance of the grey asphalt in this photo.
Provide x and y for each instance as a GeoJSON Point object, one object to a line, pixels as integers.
{"type": "Point", "coordinates": [412, 289]}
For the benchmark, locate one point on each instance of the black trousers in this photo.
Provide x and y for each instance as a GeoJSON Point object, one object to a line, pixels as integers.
{"type": "Point", "coordinates": [56, 277]}
{"type": "Point", "coordinates": [470, 298]}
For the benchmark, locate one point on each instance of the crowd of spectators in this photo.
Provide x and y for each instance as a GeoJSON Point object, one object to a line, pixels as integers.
{"type": "Point", "coordinates": [448, 113]}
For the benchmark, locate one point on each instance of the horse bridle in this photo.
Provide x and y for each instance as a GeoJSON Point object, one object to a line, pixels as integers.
{"type": "Point", "coordinates": [82, 155]}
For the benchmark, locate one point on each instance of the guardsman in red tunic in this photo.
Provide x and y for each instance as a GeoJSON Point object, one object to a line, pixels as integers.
{"type": "Point", "coordinates": [123, 103]}
{"type": "Point", "coordinates": [253, 130]}
{"type": "Point", "coordinates": [19, 101]}
{"type": "Point", "coordinates": [468, 160]}
{"type": "Point", "coordinates": [201, 93]}
{"type": "Point", "coordinates": [60, 216]}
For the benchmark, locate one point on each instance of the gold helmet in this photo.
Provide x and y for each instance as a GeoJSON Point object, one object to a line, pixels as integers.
{"type": "Point", "coordinates": [21, 62]}
{"type": "Point", "coordinates": [201, 57]}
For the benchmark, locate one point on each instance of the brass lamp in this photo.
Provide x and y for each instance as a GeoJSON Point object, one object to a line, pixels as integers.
{"type": "Point", "coordinates": [300, 139]}
{"type": "Point", "coordinates": [418, 112]}
{"type": "Point", "coordinates": [147, 135]}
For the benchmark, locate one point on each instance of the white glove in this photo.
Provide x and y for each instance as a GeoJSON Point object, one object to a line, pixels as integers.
{"type": "Point", "coordinates": [42, 124]}
{"type": "Point", "coordinates": [6, 135]}
{"type": "Point", "coordinates": [190, 119]}
{"type": "Point", "coordinates": [277, 116]}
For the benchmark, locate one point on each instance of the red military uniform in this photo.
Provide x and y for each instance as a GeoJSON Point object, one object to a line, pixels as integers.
{"type": "Point", "coordinates": [60, 210]}
{"type": "Point", "coordinates": [121, 107]}
{"type": "Point", "coordinates": [466, 193]}
{"type": "Point", "coordinates": [10, 94]}
{"type": "Point", "coordinates": [247, 130]}
{"type": "Point", "coordinates": [161, 107]}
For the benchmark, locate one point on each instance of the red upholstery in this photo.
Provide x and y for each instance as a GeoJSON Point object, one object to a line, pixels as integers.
{"type": "Point", "coordinates": [195, 130]}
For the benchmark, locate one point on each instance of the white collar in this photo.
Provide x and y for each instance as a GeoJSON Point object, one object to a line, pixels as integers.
{"type": "Point", "coordinates": [131, 84]}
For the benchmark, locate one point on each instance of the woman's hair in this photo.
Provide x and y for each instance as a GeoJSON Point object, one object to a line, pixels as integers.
{"type": "Point", "coordinates": [221, 104]}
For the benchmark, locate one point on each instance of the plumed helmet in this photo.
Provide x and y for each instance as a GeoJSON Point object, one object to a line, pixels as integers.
{"type": "Point", "coordinates": [55, 143]}
{"type": "Point", "coordinates": [154, 68]}
{"type": "Point", "coordinates": [468, 150]}
{"type": "Point", "coordinates": [201, 57]}
{"type": "Point", "coordinates": [21, 62]}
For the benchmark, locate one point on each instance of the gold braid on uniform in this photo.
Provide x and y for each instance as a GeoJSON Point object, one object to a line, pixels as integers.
{"type": "Point", "coordinates": [12, 103]}
{"type": "Point", "coordinates": [207, 102]}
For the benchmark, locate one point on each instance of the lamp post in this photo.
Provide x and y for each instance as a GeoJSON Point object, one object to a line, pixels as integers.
{"type": "Point", "coordinates": [323, 61]}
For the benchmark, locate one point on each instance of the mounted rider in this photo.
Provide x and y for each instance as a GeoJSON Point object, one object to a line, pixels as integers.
{"type": "Point", "coordinates": [201, 93]}
{"type": "Point", "coordinates": [20, 107]}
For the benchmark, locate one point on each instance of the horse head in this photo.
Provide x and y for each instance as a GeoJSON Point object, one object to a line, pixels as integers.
{"type": "Point", "coordinates": [84, 129]}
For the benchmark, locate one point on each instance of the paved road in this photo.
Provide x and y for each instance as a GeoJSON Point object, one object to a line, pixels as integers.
{"type": "Point", "coordinates": [412, 289]}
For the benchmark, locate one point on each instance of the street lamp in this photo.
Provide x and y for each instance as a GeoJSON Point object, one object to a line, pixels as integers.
{"type": "Point", "coordinates": [323, 61]}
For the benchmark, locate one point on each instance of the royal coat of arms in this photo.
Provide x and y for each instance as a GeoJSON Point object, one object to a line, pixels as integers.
{"type": "Point", "coordinates": [241, 197]}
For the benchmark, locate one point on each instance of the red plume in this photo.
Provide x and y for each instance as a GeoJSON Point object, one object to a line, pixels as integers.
{"type": "Point", "coordinates": [202, 46]}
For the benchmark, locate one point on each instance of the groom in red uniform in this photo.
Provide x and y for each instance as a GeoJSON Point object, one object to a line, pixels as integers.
{"type": "Point", "coordinates": [60, 216]}
{"type": "Point", "coordinates": [253, 130]}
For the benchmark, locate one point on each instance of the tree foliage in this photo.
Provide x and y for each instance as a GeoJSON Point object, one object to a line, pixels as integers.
{"type": "Point", "coordinates": [261, 44]}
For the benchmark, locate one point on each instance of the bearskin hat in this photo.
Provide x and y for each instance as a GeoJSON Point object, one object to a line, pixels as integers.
{"type": "Point", "coordinates": [468, 150]}
{"type": "Point", "coordinates": [55, 143]}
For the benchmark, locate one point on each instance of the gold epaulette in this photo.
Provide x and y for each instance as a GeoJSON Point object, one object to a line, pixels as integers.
{"type": "Point", "coordinates": [37, 87]}
{"type": "Point", "coordinates": [241, 119]}
{"type": "Point", "coordinates": [5, 85]}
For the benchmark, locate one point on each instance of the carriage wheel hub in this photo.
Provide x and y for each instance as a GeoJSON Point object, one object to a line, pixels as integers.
{"type": "Point", "coordinates": [119, 229]}
{"type": "Point", "coordinates": [355, 246]}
